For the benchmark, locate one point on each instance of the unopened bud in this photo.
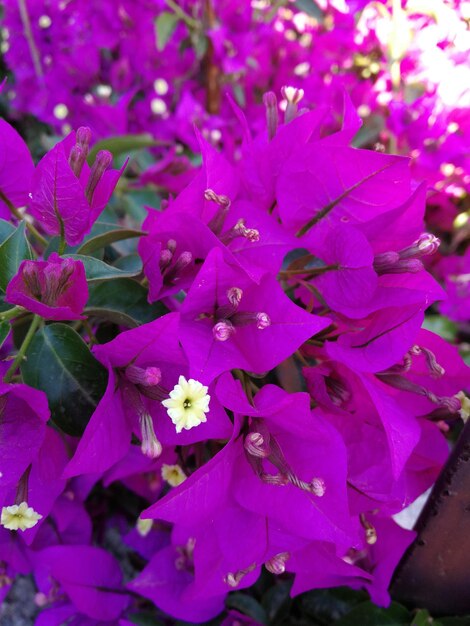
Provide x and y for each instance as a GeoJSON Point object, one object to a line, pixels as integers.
{"type": "Point", "coordinates": [146, 377]}
{"type": "Point", "coordinates": [233, 579]}
{"type": "Point", "coordinates": [262, 321]}
{"type": "Point", "coordinates": [257, 445]}
{"type": "Point", "coordinates": [219, 199]}
{"type": "Point", "coordinates": [252, 234]}
{"type": "Point", "coordinates": [272, 113]}
{"type": "Point", "coordinates": [318, 487]}
{"type": "Point", "coordinates": [166, 257]}
{"type": "Point", "coordinates": [150, 446]}
{"type": "Point", "coordinates": [436, 370]}
{"type": "Point", "coordinates": [83, 138]}
{"type": "Point", "coordinates": [31, 279]}
{"type": "Point", "coordinates": [277, 564]}
{"type": "Point", "coordinates": [103, 160]}
{"type": "Point", "coordinates": [370, 531]}
{"type": "Point", "coordinates": [223, 330]}
{"type": "Point", "coordinates": [234, 295]}
{"type": "Point", "coordinates": [77, 158]}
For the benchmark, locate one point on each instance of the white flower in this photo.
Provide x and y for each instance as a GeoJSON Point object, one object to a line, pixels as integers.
{"type": "Point", "coordinates": [19, 517]}
{"type": "Point", "coordinates": [188, 403]}
{"type": "Point", "coordinates": [173, 474]}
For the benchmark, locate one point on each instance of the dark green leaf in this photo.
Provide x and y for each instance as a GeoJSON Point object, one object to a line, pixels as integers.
{"type": "Point", "coordinates": [5, 230]}
{"type": "Point", "coordinates": [97, 270]}
{"type": "Point", "coordinates": [4, 332]}
{"type": "Point", "coordinates": [107, 238]}
{"type": "Point", "coordinates": [123, 144]}
{"type": "Point", "coordinates": [422, 618]}
{"type": "Point", "coordinates": [130, 263]}
{"type": "Point", "coordinates": [122, 301]}
{"type": "Point", "coordinates": [368, 614]}
{"type": "Point", "coordinates": [277, 601]}
{"type": "Point", "coordinates": [453, 621]}
{"type": "Point", "coordinates": [247, 605]}
{"type": "Point", "coordinates": [310, 7]}
{"type": "Point", "coordinates": [165, 25]}
{"type": "Point", "coordinates": [329, 605]}
{"type": "Point", "coordinates": [59, 363]}
{"type": "Point", "coordinates": [145, 619]}
{"type": "Point", "coordinates": [12, 251]}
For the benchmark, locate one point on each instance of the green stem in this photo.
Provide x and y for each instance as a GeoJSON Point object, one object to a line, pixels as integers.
{"type": "Point", "coordinates": [28, 33]}
{"type": "Point", "coordinates": [14, 211]}
{"type": "Point", "coordinates": [22, 351]}
{"type": "Point", "coordinates": [62, 244]}
{"type": "Point", "coordinates": [11, 313]}
{"type": "Point", "coordinates": [187, 19]}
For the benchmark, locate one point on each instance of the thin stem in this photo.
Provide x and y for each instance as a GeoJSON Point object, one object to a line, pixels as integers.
{"type": "Point", "coordinates": [28, 33]}
{"type": "Point", "coordinates": [314, 271]}
{"type": "Point", "coordinates": [11, 313]}
{"type": "Point", "coordinates": [62, 243]}
{"type": "Point", "coordinates": [22, 351]}
{"type": "Point", "coordinates": [187, 19]}
{"type": "Point", "coordinates": [14, 211]}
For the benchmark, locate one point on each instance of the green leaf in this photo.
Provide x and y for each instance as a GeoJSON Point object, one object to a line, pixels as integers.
{"type": "Point", "coordinates": [368, 614]}
{"type": "Point", "coordinates": [422, 618]}
{"type": "Point", "coordinates": [59, 363]}
{"type": "Point", "coordinates": [441, 326]}
{"type": "Point", "coordinates": [310, 7]}
{"type": "Point", "coordinates": [97, 270]}
{"type": "Point", "coordinates": [369, 132]}
{"type": "Point", "coordinates": [12, 251]}
{"type": "Point", "coordinates": [130, 263]}
{"type": "Point", "coordinates": [247, 605]}
{"type": "Point", "coordinates": [107, 238]}
{"type": "Point", "coordinates": [123, 144]}
{"type": "Point", "coordinates": [329, 605]}
{"type": "Point", "coordinates": [122, 301]}
{"type": "Point", "coordinates": [145, 619]}
{"type": "Point", "coordinates": [165, 25]}
{"type": "Point", "coordinates": [277, 601]}
{"type": "Point", "coordinates": [4, 332]}
{"type": "Point", "coordinates": [5, 230]}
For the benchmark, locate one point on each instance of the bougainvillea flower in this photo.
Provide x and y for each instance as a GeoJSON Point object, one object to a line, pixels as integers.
{"type": "Point", "coordinates": [68, 195]}
{"type": "Point", "coordinates": [16, 170]}
{"type": "Point", "coordinates": [258, 485]}
{"type": "Point", "coordinates": [167, 580]}
{"type": "Point", "coordinates": [55, 289]}
{"type": "Point", "coordinates": [318, 182]}
{"type": "Point", "coordinates": [380, 341]}
{"type": "Point", "coordinates": [229, 321]}
{"type": "Point", "coordinates": [144, 365]}
{"type": "Point", "coordinates": [89, 577]}
{"type": "Point", "coordinates": [24, 413]}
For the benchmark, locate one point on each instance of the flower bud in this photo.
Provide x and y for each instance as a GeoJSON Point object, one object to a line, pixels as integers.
{"type": "Point", "coordinates": [223, 330]}
{"type": "Point", "coordinates": [277, 564]}
{"type": "Point", "coordinates": [147, 377]}
{"type": "Point", "coordinates": [257, 445]}
{"type": "Point", "coordinates": [272, 114]}
{"type": "Point", "coordinates": [103, 160]}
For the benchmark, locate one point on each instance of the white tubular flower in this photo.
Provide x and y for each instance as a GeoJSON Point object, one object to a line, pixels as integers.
{"type": "Point", "coordinates": [188, 403]}
{"type": "Point", "coordinates": [19, 517]}
{"type": "Point", "coordinates": [173, 474]}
